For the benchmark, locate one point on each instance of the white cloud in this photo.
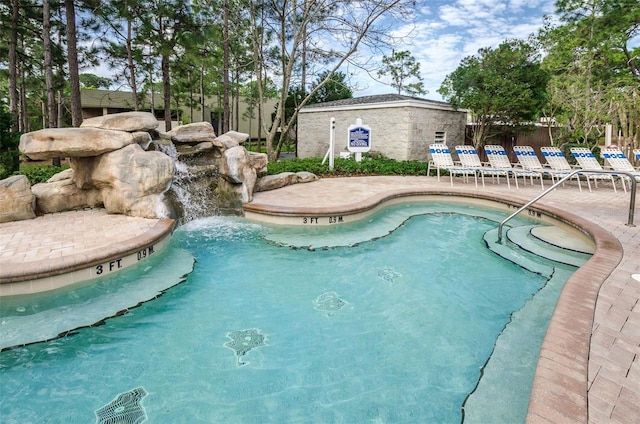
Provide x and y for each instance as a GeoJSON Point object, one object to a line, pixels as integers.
{"type": "Point", "coordinates": [446, 32]}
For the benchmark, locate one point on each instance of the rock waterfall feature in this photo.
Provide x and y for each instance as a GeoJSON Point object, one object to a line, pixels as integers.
{"type": "Point", "coordinates": [120, 162]}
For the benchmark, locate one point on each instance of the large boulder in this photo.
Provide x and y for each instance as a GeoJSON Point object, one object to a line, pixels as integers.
{"type": "Point", "coordinates": [72, 142]}
{"type": "Point", "coordinates": [18, 202]}
{"type": "Point", "coordinates": [133, 182]}
{"type": "Point", "coordinates": [272, 182]}
{"type": "Point", "coordinates": [60, 194]}
{"type": "Point", "coordinates": [230, 139]}
{"type": "Point", "coordinates": [125, 121]}
{"type": "Point", "coordinates": [259, 162]}
{"type": "Point", "coordinates": [191, 133]}
{"type": "Point", "coordinates": [235, 167]}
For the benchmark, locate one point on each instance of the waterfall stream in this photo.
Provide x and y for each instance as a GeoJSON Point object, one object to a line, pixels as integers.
{"type": "Point", "coordinates": [191, 190]}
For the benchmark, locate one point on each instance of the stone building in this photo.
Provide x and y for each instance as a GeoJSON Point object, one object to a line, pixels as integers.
{"type": "Point", "coordinates": [402, 127]}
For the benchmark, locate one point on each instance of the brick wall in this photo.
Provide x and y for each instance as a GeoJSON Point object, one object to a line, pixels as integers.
{"type": "Point", "coordinates": [400, 133]}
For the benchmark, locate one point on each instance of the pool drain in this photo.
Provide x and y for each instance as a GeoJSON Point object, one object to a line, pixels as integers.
{"type": "Point", "coordinates": [243, 341]}
{"type": "Point", "coordinates": [125, 408]}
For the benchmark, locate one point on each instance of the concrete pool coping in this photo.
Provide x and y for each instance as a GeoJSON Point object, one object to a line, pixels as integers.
{"type": "Point", "coordinates": [589, 367]}
{"type": "Point", "coordinates": [57, 250]}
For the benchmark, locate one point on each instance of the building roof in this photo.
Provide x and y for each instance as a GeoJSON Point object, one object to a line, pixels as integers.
{"type": "Point", "coordinates": [379, 101]}
{"type": "Point", "coordinates": [105, 98]}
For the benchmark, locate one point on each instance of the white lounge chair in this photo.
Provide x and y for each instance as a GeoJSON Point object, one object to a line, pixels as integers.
{"type": "Point", "coordinates": [558, 163]}
{"type": "Point", "coordinates": [619, 162]}
{"type": "Point", "coordinates": [636, 153]}
{"type": "Point", "coordinates": [586, 160]}
{"type": "Point", "coordinates": [468, 157]}
{"type": "Point", "coordinates": [498, 159]}
{"type": "Point", "coordinates": [441, 159]}
{"type": "Point", "coordinates": [528, 159]}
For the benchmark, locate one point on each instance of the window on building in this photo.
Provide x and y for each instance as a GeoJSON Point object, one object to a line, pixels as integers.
{"type": "Point", "coordinates": [440, 137]}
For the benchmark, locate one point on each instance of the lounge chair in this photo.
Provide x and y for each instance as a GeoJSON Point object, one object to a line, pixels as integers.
{"type": "Point", "coordinates": [558, 163]}
{"type": "Point", "coordinates": [636, 153]}
{"type": "Point", "coordinates": [441, 159]}
{"type": "Point", "coordinates": [619, 162]}
{"type": "Point", "coordinates": [499, 160]}
{"type": "Point", "coordinates": [528, 159]}
{"type": "Point", "coordinates": [586, 160]}
{"type": "Point", "coordinates": [469, 158]}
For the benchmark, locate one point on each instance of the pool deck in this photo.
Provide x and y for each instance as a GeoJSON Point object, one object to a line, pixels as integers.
{"type": "Point", "coordinates": [589, 366]}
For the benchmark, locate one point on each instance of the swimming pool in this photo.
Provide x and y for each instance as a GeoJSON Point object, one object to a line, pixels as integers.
{"type": "Point", "coordinates": [403, 317]}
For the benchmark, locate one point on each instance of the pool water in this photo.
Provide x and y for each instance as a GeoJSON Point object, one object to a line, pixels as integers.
{"type": "Point", "coordinates": [403, 319]}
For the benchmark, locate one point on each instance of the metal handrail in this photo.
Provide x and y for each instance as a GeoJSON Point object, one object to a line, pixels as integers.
{"type": "Point", "coordinates": [632, 200]}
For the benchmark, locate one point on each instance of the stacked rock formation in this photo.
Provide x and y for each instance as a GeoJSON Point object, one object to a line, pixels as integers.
{"type": "Point", "coordinates": [120, 162]}
{"type": "Point", "coordinates": [217, 172]}
{"type": "Point", "coordinates": [109, 166]}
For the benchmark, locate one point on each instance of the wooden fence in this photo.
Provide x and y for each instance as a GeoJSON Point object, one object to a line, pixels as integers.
{"type": "Point", "coordinates": [537, 138]}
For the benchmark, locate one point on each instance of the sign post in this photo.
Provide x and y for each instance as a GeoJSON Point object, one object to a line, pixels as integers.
{"type": "Point", "coordinates": [332, 142]}
{"type": "Point", "coordinates": [359, 139]}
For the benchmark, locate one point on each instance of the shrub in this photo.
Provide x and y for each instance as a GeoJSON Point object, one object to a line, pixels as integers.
{"type": "Point", "coordinates": [349, 167]}
{"type": "Point", "coordinates": [9, 155]}
{"type": "Point", "coordinates": [39, 173]}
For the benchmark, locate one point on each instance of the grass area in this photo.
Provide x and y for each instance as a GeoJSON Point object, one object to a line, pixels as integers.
{"type": "Point", "coordinates": [349, 167]}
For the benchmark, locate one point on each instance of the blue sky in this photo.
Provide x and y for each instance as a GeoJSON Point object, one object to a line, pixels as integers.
{"type": "Point", "coordinates": [447, 31]}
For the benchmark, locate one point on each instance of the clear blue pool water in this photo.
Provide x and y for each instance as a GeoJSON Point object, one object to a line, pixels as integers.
{"type": "Point", "coordinates": [391, 320]}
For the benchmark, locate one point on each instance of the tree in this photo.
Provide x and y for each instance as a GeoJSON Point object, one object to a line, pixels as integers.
{"type": "Point", "coordinates": [115, 21]}
{"type": "Point", "coordinates": [336, 88]}
{"type": "Point", "coordinates": [402, 67]}
{"type": "Point", "coordinates": [503, 88]}
{"type": "Point", "coordinates": [9, 140]}
{"type": "Point", "coordinates": [164, 24]}
{"type": "Point", "coordinates": [594, 69]}
{"type": "Point", "coordinates": [72, 54]}
{"type": "Point", "coordinates": [251, 94]}
{"type": "Point", "coordinates": [94, 81]}
{"type": "Point", "coordinates": [332, 30]}
{"type": "Point", "coordinates": [48, 65]}
{"type": "Point", "coordinates": [13, 66]}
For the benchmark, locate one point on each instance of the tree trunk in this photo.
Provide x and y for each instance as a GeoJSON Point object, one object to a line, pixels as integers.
{"type": "Point", "coordinates": [225, 59]}
{"type": "Point", "coordinates": [152, 91]}
{"type": "Point", "coordinates": [48, 71]}
{"type": "Point", "coordinates": [166, 89]}
{"type": "Point", "coordinates": [131, 66]}
{"type": "Point", "coordinates": [72, 53]}
{"type": "Point", "coordinates": [48, 68]}
{"type": "Point", "coordinates": [25, 126]}
{"type": "Point", "coordinates": [60, 109]}
{"type": "Point", "coordinates": [13, 66]}
{"type": "Point", "coordinates": [202, 104]}
{"type": "Point", "coordinates": [237, 103]}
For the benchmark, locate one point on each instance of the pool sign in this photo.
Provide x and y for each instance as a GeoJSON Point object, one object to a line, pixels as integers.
{"type": "Point", "coordinates": [359, 137]}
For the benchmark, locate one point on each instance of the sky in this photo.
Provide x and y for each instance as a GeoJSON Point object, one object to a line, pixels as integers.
{"type": "Point", "coordinates": [447, 31]}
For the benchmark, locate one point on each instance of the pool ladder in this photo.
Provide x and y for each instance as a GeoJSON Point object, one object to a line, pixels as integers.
{"type": "Point", "coordinates": [632, 200]}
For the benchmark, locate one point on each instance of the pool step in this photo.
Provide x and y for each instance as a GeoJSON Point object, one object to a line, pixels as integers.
{"type": "Point", "coordinates": [525, 238]}
{"type": "Point", "coordinates": [521, 257]}
{"type": "Point", "coordinates": [525, 246]}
